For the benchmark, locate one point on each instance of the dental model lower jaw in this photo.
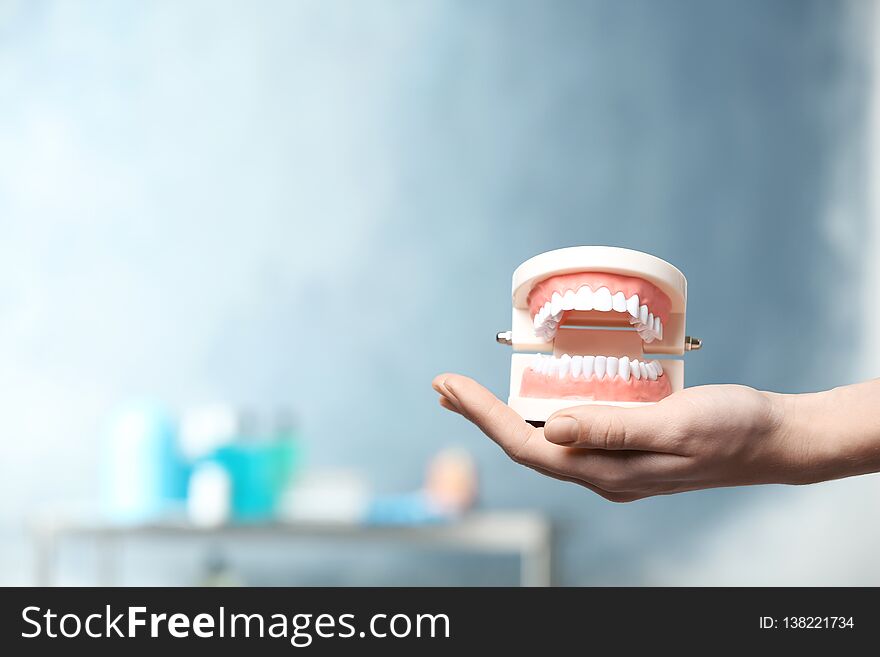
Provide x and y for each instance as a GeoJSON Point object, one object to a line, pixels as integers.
{"type": "Point", "coordinates": [628, 300]}
{"type": "Point", "coordinates": [605, 378]}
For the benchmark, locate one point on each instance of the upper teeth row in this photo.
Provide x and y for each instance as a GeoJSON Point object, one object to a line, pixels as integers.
{"type": "Point", "coordinates": [598, 366]}
{"type": "Point", "coordinates": [547, 319]}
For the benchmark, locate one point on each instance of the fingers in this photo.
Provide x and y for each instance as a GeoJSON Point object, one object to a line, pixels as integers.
{"type": "Point", "coordinates": [494, 418]}
{"type": "Point", "coordinates": [647, 428]}
{"type": "Point", "coordinates": [521, 441]}
{"type": "Point", "coordinates": [448, 405]}
{"type": "Point", "coordinates": [525, 444]}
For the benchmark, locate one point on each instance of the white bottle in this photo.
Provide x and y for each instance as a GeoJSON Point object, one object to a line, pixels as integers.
{"type": "Point", "coordinates": [210, 491]}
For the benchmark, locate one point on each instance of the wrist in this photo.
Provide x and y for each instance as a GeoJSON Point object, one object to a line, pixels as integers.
{"type": "Point", "coordinates": [797, 450]}
{"type": "Point", "coordinates": [826, 435]}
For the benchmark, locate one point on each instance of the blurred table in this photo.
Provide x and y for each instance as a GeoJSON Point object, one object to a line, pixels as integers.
{"type": "Point", "coordinates": [525, 533]}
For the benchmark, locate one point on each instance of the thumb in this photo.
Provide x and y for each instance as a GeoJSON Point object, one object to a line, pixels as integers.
{"type": "Point", "coordinates": [611, 427]}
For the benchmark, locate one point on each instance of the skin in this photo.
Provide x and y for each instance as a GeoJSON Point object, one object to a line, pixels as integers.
{"type": "Point", "coordinates": [701, 437]}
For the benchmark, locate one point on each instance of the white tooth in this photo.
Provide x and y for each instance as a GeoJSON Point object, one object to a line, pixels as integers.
{"type": "Point", "coordinates": [643, 370]}
{"type": "Point", "coordinates": [652, 372]}
{"type": "Point", "coordinates": [657, 326]}
{"type": "Point", "coordinates": [643, 314]}
{"type": "Point", "coordinates": [556, 304]}
{"type": "Point", "coordinates": [536, 363]}
{"type": "Point", "coordinates": [650, 322]}
{"type": "Point", "coordinates": [564, 363]}
{"type": "Point", "coordinates": [589, 362]}
{"type": "Point", "coordinates": [568, 300]}
{"type": "Point", "coordinates": [611, 367]}
{"type": "Point", "coordinates": [583, 300]}
{"type": "Point", "coordinates": [552, 365]}
{"type": "Point", "coordinates": [576, 364]}
{"type": "Point", "coordinates": [636, 371]}
{"type": "Point", "coordinates": [660, 324]}
{"type": "Point", "coordinates": [546, 309]}
{"type": "Point", "coordinates": [602, 299]}
{"type": "Point", "coordinates": [623, 368]}
{"type": "Point", "coordinates": [632, 305]}
{"type": "Point", "coordinates": [599, 366]}
{"type": "Point", "coordinates": [658, 368]}
{"type": "Point", "coordinates": [541, 329]}
{"type": "Point", "coordinates": [618, 302]}
{"type": "Point", "coordinates": [538, 321]}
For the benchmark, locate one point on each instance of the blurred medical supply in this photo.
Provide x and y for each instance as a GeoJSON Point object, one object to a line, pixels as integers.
{"type": "Point", "coordinates": [220, 467]}
{"type": "Point", "coordinates": [213, 462]}
{"type": "Point", "coordinates": [258, 465]}
{"type": "Point", "coordinates": [209, 496]}
{"type": "Point", "coordinates": [335, 495]}
{"type": "Point", "coordinates": [450, 489]}
{"type": "Point", "coordinates": [259, 470]}
{"type": "Point", "coordinates": [203, 429]}
{"type": "Point", "coordinates": [144, 475]}
{"type": "Point", "coordinates": [451, 484]}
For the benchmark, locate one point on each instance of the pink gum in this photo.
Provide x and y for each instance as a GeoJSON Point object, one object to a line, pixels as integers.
{"type": "Point", "coordinates": [550, 386]}
{"type": "Point", "coordinates": [649, 294]}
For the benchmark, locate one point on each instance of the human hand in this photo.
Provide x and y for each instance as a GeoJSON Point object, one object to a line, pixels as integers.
{"type": "Point", "coordinates": [701, 437]}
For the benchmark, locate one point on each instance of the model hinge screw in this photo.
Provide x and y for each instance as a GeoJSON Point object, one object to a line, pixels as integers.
{"type": "Point", "coordinates": [504, 337]}
{"type": "Point", "coordinates": [692, 344]}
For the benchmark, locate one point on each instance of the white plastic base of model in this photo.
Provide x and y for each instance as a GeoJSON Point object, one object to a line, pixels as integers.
{"type": "Point", "coordinates": [609, 259]}
{"type": "Point", "coordinates": [535, 409]}
{"type": "Point", "coordinates": [538, 409]}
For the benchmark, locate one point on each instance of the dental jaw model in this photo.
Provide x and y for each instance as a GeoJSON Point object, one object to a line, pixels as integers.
{"type": "Point", "coordinates": [595, 325]}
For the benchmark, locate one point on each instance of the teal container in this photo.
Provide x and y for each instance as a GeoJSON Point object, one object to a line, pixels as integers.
{"type": "Point", "coordinates": [259, 472]}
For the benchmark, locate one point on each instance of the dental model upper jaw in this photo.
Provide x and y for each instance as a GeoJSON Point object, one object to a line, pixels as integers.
{"type": "Point", "coordinates": [607, 378]}
{"type": "Point", "coordinates": [646, 306]}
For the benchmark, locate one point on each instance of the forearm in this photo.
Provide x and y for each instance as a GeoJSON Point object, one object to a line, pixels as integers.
{"type": "Point", "coordinates": [832, 434]}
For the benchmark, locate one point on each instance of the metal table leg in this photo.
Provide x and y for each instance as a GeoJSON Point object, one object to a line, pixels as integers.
{"type": "Point", "coordinates": [536, 565]}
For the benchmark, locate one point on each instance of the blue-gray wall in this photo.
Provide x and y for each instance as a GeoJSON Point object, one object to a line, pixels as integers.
{"type": "Point", "coordinates": [321, 204]}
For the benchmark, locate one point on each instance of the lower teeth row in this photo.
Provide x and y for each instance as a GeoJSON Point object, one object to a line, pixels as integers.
{"type": "Point", "coordinates": [599, 367]}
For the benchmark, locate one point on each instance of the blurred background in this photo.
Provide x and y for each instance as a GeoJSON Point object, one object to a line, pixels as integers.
{"type": "Point", "coordinates": [237, 241]}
